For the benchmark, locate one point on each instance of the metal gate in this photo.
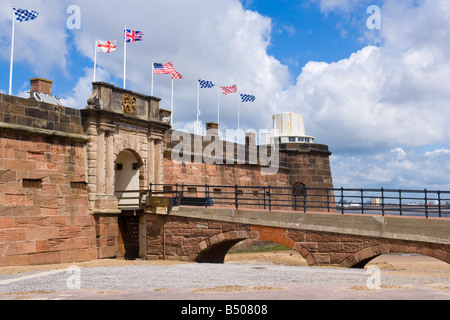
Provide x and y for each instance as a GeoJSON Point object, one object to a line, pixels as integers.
{"type": "Point", "coordinates": [129, 236]}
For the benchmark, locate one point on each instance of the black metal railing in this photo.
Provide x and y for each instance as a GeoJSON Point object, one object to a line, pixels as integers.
{"type": "Point", "coordinates": [428, 203]}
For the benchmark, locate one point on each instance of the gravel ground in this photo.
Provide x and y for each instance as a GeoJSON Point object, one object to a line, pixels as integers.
{"type": "Point", "coordinates": [143, 281]}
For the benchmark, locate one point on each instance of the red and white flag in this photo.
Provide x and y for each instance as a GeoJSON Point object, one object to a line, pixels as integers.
{"type": "Point", "coordinates": [176, 75]}
{"type": "Point", "coordinates": [228, 90]}
{"type": "Point", "coordinates": [106, 46]}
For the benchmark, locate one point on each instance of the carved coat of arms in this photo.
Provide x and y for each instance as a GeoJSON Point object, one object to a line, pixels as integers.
{"type": "Point", "coordinates": [129, 104]}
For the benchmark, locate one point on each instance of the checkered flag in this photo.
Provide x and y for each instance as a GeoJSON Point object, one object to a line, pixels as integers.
{"type": "Point", "coordinates": [176, 75]}
{"type": "Point", "coordinates": [25, 15]}
{"type": "Point", "coordinates": [228, 90]}
{"type": "Point", "coordinates": [247, 98]}
{"type": "Point", "coordinates": [206, 84]}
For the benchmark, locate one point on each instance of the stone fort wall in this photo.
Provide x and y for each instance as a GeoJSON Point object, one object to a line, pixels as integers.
{"type": "Point", "coordinates": [43, 195]}
{"type": "Point", "coordinates": [57, 200]}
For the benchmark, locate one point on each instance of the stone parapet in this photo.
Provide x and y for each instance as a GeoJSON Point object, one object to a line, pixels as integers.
{"type": "Point", "coordinates": [30, 113]}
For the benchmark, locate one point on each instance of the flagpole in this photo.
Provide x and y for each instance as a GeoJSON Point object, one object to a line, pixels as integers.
{"type": "Point", "coordinates": [124, 58]}
{"type": "Point", "coordinates": [198, 106]}
{"type": "Point", "coordinates": [239, 112]}
{"type": "Point", "coordinates": [153, 72]}
{"type": "Point", "coordinates": [12, 53]}
{"type": "Point", "coordinates": [218, 104]}
{"type": "Point", "coordinates": [95, 59]}
{"type": "Point", "coordinates": [171, 108]}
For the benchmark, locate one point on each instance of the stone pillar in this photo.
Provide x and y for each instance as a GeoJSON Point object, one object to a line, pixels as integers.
{"type": "Point", "coordinates": [101, 162]}
{"type": "Point", "coordinates": [155, 158]}
{"type": "Point", "coordinates": [106, 210]}
{"type": "Point", "coordinates": [158, 162]}
{"type": "Point", "coordinates": [105, 200]}
{"type": "Point", "coordinates": [151, 160]}
{"type": "Point", "coordinates": [109, 170]}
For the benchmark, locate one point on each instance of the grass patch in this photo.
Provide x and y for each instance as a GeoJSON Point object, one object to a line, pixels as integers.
{"type": "Point", "coordinates": [264, 248]}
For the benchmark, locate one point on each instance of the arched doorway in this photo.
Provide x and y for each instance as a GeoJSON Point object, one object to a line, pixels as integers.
{"type": "Point", "coordinates": [127, 180]}
{"type": "Point", "coordinates": [299, 196]}
{"type": "Point", "coordinates": [132, 221]}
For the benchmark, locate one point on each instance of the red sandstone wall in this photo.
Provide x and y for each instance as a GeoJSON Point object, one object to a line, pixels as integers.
{"type": "Point", "coordinates": [299, 163]}
{"type": "Point", "coordinates": [43, 197]}
{"type": "Point", "coordinates": [43, 219]}
{"type": "Point", "coordinates": [211, 174]}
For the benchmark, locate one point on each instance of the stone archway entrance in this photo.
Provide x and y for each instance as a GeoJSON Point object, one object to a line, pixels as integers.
{"type": "Point", "coordinates": [127, 182]}
{"type": "Point", "coordinates": [124, 153]}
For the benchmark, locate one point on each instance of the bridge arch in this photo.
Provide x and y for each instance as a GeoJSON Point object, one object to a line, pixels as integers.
{"type": "Point", "coordinates": [361, 258]}
{"type": "Point", "coordinates": [214, 249]}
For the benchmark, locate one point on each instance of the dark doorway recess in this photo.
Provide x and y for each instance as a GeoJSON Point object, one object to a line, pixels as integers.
{"type": "Point", "coordinates": [128, 236]}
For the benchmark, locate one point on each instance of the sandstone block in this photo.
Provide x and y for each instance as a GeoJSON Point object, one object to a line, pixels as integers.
{"type": "Point", "coordinates": [26, 247]}
{"type": "Point", "coordinates": [44, 258]}
{"type": "Point", "coordinates": [107, 252]}
{"type": "Point", "coordinates": [14, 235]}
{"type": "Point", "coordinates": [42, 233]}
{"type": "Point", "coordinates": [6, 223]}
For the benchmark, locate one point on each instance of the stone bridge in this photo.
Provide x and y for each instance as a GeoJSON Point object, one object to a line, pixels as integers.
{"type": "Point", "coordinates": [205, 235]}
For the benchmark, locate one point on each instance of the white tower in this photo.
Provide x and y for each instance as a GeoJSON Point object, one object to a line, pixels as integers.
{"type": "Point", "coordinates": [289, 128]}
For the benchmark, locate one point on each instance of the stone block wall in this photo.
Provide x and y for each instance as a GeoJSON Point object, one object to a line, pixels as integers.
{"type": "Point", "coordinates": [43, 196]}
{"type": "Point", "coordinates": [299, 164]}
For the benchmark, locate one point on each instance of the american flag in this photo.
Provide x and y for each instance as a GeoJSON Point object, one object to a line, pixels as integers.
{"type": "Point", "coordinates": [206, 84]}
{"type": "Point", "coordinates": [163, 68]}
{"type": "Point", "coordinates": [176, 75]}
{"type": "Point", "coordinates": [228, 90]}
{"type": "Point", "coordinates": [247, 98]}
{"type": "Point", "coordinates": [25, 15]}
{"type": "Point", "coordinates": [133, 36]}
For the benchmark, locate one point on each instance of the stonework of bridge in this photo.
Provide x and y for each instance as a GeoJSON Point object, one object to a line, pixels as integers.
{"type": "Point", "coordinates": [206, 235]}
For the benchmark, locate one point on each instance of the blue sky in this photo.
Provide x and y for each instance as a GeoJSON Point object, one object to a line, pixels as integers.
{"type": "Point", "coordinates": [301, 32]}
{"type": "Point", "coordinates": [378, 98]}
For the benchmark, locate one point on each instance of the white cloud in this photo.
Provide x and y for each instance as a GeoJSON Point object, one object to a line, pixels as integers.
{"type": "Point", "coordinates": [413, 170]}
{"type": "Point", "coordinates": [437, 153]}
{"type": "Point", "coordinates": [40, 43]}
{"type": "Point", "coordinates": [78, 96]}
{"type": "Point", "coordinates": [399, 153]}
{"type": "Point", "coordinates": [389, 94]}
{"type": "Point", "coordinates": [327, 6]}
{"type": "Point", "coordinates": [381, 97]}
{"type": "Point", "coordinates": [212, 40]}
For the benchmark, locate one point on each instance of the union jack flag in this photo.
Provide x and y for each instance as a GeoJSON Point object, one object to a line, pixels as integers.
{"type": "Point", "coordinates": [247, 98]}
{"type": "Point", "coordinates": [25, 15]}
{"type": "Point", "coordinates": [206, 84]}
{"type": "Point", "coordinates": [228, 90]}
{"type": "Point", "coordinates": [163, 68]}
{"type": "Point", "coordinates": [133, 36]}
